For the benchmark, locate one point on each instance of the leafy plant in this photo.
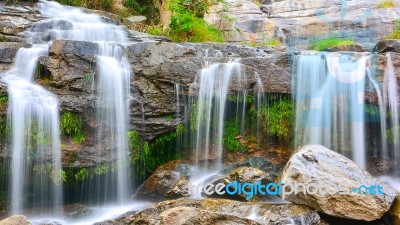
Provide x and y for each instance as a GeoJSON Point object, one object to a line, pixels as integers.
{"type": "Point", "coordinates": [72, 125]}
{"type": "Point", "coordinates": [320, 45]}
{"type": "Point", "coordinates": [143, 7]}
{"type": "Point", "coordinates": [169, 117]}
{"type": "Point", "coordinates": [231, 131]}
{"type": "Point", "coordinates": [188, 24]}
{"type": "Point", "coordinates": [279, 120]}
{"type": "Point", "coordinates": [385, 4]}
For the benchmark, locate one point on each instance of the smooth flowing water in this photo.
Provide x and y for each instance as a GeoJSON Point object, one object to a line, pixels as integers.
{"type": "Point", "coordinates": [114, 74]}
{"type": "Point", "coordinates": [34, 111]}
{"type": "Point", "coordinates": [35, 137]}
{"type": "Point", "coordinates": [330, 102]}
{"type": "Point", "coordinates": [209, 95]}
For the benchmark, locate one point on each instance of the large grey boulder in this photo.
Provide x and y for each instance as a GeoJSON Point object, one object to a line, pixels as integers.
{"type": "Point", "coordinates": [319, 165]}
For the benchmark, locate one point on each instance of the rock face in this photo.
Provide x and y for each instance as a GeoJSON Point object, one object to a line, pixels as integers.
{"type": "Point", "coordinates": [297, 21]}
{"type": "Point", "coordinates": [319, 165]}
{"type": "Point", "coordinates": [241, 21]}
{"type": "Point", "coordinates": [219, 211]}
{"type": "Point", "coordinates": [15, 220]}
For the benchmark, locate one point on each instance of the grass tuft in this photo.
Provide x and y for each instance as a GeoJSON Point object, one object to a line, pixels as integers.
{"type": "Point", "coordinates": [320, 45]}
{"type": "Point", "coordinates": [386, 4]}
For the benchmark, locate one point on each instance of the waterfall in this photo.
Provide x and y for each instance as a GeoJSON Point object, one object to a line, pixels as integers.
{"type": "Point", "coordinates": [113, 109]}
{"type": "Point", "coordinates": [34, 112]}
{"type": "Point", "coordinates": [329, 95]}
{"type": "Point", "coordinates": [390, 102]}
{"type": "Point", "coordinates": [114, 74]}
{"type": "Point", "coordinates": [35, 137]}
{"type": "Point", "coordinates": [209, 95]}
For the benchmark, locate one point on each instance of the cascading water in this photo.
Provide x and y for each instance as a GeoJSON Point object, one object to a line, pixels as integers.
{"type": "Point", "coordinates": [33, 111]}
{"type": "Point", "coordinates": [209, 104]}
{"type": "Point", "coordinates": [114, 75]}
{"type": "Point", "coordinates": [329, 94]}
{"type": "Point", "coordinates": [390, 102]}
{"type": "Point", "coordinates": [113, 108]}
{"type": "Point", "coordinates": [35, 138]}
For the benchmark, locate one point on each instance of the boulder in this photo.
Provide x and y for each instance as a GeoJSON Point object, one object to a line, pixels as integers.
{"type": "Point", "coordinates": [180, 189]}
{"type": "Point", "coordinates": [15, 220]}
{"type": "Point", "coordinates": [388, 45]}
{"type": "Point", "coordinates": [161, 181]}
{"type": "Point", "coordinates": [220, 211]}
{"type": "Point", "coordinates": [350, 199]}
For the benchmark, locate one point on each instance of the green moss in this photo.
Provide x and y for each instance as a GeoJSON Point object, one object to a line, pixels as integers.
{"type": "Point", "coordinates": [320, 45]}
{"type": "Point", "coordinates": [4, 38]}
{"type": "Point", "coordinates": [386, 4]}
{"type": "Point", "coordinates": [3, 103]}
{"type": "Point", "coordinates": [396, 32]}
{"type": "Point", "coordinates": [240, 98]}
{"type": "Point", "coordinates": [390, 134]}
{"type": "Point", "coordinates": [279, 120]}
{"type": "Point", "coordinates": [148, 155]}
{"type": "Point", "coordinates": [72, 125]}
{"type": "Point", "coordinates": [169, 117]}
{"type": "Point", "coordinates": [231, 131]}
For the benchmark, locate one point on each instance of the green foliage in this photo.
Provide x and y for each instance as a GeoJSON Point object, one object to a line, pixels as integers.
{"type": "Point", "coordinates": [188, 24]}
{"type": "Point", "coordinates": [72, 125]}
{"type": "Point", "coordinates": [231, 131]}
{"type": "Point", "coordinates": [4, 38]}
{"type": "Point", "coordinates": [386, 4]}
{"type": "Point", "coordinates": [396, 32]}
{"type": "Point", "coordinates": [106, 5]}
{"type": "Point", "coordinates": [143, 7]}
{"type": "Point", "coordinates": [180, 129]}
{"type": "Point", "coordinates": [148, 155]}
{"type": "Point", "coordinates": [71, 2]}
{"type": "Point", "coordinates": [56, 176]}
{"type": "Point", "coordinates": [390, 134]}
{"type": "Point", "coordinates": [3, 103]}
{"type": "Point", "coordinates": [169, 117]}
{"type": "Point", "coordinates": [320, 45]}
{"type": "Point", "coordinates": [279, 120]}
{"type": "Point", "coordinates": [82, 174]}
{"type": "Point", "coordinates": [240, 98]}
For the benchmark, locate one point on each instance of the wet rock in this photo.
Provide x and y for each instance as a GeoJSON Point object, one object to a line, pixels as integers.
{"type": "Point", "coordinates": [161, 181]}
{"type": "Point", "coordinates": [395, 211]}
{"type": "Point", "coordinates": [242, 175]}
{"type": "Point", "coordinates": [15, 220]}
{"type": "Point", "coordinates": [389, 45]}
{"type": "Point", "coordinates": [319, 165]}
{"type": "Point", "coordinates": [76, 211]}
{"type": "Point", "coordinates": [220, 211]}
{"type": "Point", "coordinates": [180, 189]}
{"type": "Point", "coordinates": [8, 50]}
{"type": "Point", "coordinates": [377, 166]}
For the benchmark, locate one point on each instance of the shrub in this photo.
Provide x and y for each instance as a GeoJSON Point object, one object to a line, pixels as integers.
{"type": "Point", "coordinates": [231, 131]}
{"type": "Point", "coordinates": [385, 4]}
{"type": "Point", "coordinates": [72, 125]}
{"type": "Point", "coordinates": [320, 45]}
{"type": "Point", "coordinates": [188, 24]}
{"type": "Point", "coordinates": [143, 7]}
{"type": "Point", "coordinates": [279, 120]}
